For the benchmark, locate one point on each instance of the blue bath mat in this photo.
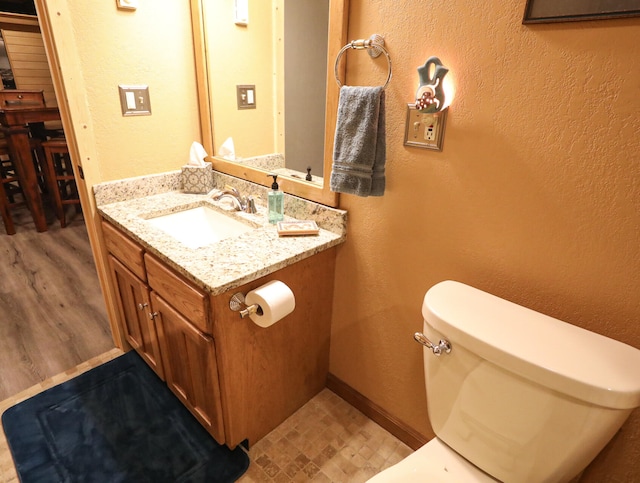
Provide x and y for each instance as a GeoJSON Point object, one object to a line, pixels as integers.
{"type": "Point", "coordinates": [116, 423]}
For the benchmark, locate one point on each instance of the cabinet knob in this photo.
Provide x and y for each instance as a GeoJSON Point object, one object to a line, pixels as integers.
{"type": "Point", "coordinates": [142, 306]}
{"type": "Point", "coordinates": [153, 315]}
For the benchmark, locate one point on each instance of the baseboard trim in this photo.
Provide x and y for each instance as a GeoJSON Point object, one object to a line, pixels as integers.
{"type": "Point", "coordinates": [400, 430]}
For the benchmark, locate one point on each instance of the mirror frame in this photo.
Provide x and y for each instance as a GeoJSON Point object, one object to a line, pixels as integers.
{"type": "Point", "coordinates": [338, 23]}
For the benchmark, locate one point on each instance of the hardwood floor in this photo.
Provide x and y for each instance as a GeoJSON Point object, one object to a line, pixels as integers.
{"type": "Point", "coordinates": [52, 314]}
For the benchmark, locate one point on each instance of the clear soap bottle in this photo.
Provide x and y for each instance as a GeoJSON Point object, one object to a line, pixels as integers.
{"type": "Point", "coordinates": [275, 202]}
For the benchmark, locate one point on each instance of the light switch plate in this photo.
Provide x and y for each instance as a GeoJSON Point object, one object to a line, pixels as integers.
{"type": "Point", "coordinates": [127, 4]}
{"type": "Point", "coordinates": [246, 96]}
{"type": "Point", "coordinates": [134, 100]}
{"type": "Point", "coordinates": [424, 130]}
{"type": "Point", "coordinates": [241, 12]}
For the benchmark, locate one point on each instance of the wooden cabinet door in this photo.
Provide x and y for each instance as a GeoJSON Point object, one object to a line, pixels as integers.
{"type": "Point", "coordinates": [137, 324]}
{"type": "Point", "coordinates": [190, 366]}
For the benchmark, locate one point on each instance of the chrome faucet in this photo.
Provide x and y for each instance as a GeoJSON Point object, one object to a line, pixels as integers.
{"type": "Point", "coordinates": [240, 203]}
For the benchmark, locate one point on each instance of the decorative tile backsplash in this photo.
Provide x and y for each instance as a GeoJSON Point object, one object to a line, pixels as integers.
{"type": "Point", "coordinates": [137, 187]}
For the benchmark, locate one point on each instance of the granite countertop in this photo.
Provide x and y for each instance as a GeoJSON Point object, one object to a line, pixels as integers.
{"type": "Point", "coordinates": [228, 263]}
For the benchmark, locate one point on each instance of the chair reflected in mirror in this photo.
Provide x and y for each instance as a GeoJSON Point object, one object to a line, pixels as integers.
{"type": "Point", "coordinates": [10, 192]}
{"type": "Point", "coordinates": [44, 165]}
{"type": "Point", "coordinates": [61, 181]}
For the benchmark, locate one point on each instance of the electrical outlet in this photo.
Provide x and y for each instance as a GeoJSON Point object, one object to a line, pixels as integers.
{"type": "Point", "coordinates": [430, 129]}
{"type": "Point", "coordinates": [424, 130]}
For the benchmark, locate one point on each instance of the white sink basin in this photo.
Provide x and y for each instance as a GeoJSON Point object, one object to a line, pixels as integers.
{"type": "Point", "coordinates": [198, 227]}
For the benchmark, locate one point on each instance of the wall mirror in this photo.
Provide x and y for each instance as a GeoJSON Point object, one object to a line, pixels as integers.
{"type": "Point", "coordinates": [267, 91]}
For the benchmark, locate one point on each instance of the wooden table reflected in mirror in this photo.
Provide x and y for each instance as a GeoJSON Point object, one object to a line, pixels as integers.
{"type": "Point", "coordinates": [15, 123]}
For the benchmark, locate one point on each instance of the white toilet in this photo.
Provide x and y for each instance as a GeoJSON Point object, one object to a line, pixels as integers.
{"type": "Point", "coordinates": [520, 397]}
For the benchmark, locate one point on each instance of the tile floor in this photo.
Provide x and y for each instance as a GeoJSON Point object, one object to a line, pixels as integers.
{"type": "Point", "coordinates": [327, 440]}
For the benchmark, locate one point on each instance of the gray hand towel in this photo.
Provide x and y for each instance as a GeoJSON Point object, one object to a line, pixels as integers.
{"type": "Point", "coordinates": [359, 151]}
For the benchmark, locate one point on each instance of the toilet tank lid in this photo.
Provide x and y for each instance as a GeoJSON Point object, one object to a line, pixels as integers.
{"type": "Point", "coordinates": [545, 350]}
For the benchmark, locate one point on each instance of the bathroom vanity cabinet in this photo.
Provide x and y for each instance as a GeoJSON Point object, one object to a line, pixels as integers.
{"type": "Point", "coordinates": [238, 379]}
{"type": "Point", "coordinates": [129, 276]}
{"type": "Point", "coordinates": [173, 338]}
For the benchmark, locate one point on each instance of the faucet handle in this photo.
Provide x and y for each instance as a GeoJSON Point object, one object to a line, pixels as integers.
{"type": "Point", "coordinates": [231, 189]}
{"type": "Point", "coordinates": [250, 205]}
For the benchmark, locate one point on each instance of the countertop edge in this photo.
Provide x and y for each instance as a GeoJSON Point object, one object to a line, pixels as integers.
{"type": "Point", "coordinates": [224, 265]}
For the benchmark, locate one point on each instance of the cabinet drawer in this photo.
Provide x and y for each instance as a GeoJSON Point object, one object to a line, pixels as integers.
{"type": "Point", "coordinates": [186, 298]}
{"type": "Point", "coordinates": [19, 99]}
{"type": "Point", "coordinates": [124, 249]}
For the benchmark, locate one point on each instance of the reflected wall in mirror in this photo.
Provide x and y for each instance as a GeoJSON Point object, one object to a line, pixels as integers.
{"type": "Point", "coordinates": [286, 50]}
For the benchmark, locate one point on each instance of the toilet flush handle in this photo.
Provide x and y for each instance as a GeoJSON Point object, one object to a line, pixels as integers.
{"type": "Point", "coordinates": [442, 346]}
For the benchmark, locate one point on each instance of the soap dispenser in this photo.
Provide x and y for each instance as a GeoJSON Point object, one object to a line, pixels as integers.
{"type": "Point", "coordinates": [275, 201]}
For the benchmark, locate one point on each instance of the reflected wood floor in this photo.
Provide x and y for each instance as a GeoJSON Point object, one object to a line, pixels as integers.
{"type": "Point", "coordinates": [52, 313]}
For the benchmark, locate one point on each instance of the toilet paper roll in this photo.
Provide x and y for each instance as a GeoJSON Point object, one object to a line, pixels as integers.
{"type": "Point", "coordinates": [276, 300]}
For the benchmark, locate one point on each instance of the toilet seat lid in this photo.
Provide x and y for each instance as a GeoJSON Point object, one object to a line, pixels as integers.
{"type": "Point", "coordinates": [434, 462]}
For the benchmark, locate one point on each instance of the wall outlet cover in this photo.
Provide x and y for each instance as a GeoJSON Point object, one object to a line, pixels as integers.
{"type": "Point", "coordinates": [424, 130]}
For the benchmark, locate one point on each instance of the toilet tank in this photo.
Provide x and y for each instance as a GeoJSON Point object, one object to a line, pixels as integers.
{"type": "Point", "coordinates": [523, 396]}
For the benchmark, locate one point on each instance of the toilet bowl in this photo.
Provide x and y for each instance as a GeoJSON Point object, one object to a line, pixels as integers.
{"type": "Point", "coordinates": [514, 395]}
{"type": "Point", "coordinates": [434, 462]}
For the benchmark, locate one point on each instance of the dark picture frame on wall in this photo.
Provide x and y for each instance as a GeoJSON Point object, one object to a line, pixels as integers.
{"type": "Point", "coordinates": [547, 11]}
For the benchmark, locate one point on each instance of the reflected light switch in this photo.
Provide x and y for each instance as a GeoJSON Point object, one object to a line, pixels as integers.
{"type": "Point", "coordinates": [241, 12]}
{"type": "Point", "coordinates": [134, 100]}
{"type": "Point", "coordinates": [127, 4]}
{"type": "Point", "coordinates": [246, 96]}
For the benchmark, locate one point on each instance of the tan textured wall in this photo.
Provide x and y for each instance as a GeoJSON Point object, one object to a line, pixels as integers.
{"type": "Point", "coordinates": [96, 47]}
{"type": "Point", "coordinates": [535, 198]}
{"type": "Point", "coordinates": [151, 46]}
{"type": "Point", "coordinates": [242, 55]}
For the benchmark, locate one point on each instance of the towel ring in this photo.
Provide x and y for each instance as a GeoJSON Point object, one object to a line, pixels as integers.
{"type": "Point", "coordinates": [374, 46]}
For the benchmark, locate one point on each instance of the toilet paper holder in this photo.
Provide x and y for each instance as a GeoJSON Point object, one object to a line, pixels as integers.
{"type": "Point", "coordinates": [238, 304]}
